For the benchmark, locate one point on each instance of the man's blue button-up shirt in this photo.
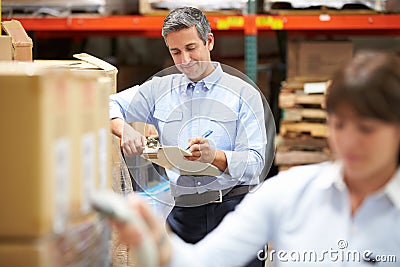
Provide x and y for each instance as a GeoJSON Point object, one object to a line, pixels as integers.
{"type": "Point", "coordinates": [181, 109]}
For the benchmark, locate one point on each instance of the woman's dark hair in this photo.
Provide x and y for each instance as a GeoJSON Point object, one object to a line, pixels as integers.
{"type": "Point", "coordinates": [370, 85]}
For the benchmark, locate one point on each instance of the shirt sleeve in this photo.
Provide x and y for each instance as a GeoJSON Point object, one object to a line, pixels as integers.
{"type": "Point", "coordinates": [239, 238]}
{"type": "Point", "coordinates": [247, 160]}
{"type": "Point", "coordinates": [265, 215]}
{"type": "Point", "coordinates": [134, 104]}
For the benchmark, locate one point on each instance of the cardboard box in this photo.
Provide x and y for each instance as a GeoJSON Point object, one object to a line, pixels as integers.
{"type": "Point", "coordinates": [22, 44]}
{"type": "Point", "coordinates": [83, 90]}
{"type": "Point", "coordinates": [23, 254]}
{"type": "Point", "coordinates": [91, 138]}
{"type": "Point", "coordinates": [91, 142]}
{"type": "Point", "coordinates": [104, 161]}
{"type": "Point", "coordinates": [94, 80]}
{"type": "Point", "coordinates": [85, 63]}
{"type": "Point", "coordinates": [5, 48]}
{"type": "Point", "coordinates": [316, 61]}
{"type": "Point", "coordinates": [83, 244]}
{"type": "Point", "coordinates": [55, 150]}
{"type": "Point", "coordinates": [36, 151]}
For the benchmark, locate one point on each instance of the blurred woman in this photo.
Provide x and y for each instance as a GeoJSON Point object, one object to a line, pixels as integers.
{"type": "Point", "coordinates": [343, 212]}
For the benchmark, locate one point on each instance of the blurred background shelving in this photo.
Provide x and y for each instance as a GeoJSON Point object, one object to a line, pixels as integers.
{"type": "Point", "coordinates": [253, 38]}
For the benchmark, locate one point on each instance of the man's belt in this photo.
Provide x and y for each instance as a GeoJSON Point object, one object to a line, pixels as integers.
{"type": "Point", "coordinates": [212, 196]}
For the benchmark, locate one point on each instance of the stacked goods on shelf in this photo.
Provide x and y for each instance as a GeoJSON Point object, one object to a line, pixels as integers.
{"type": "Point", "coordinates": [303, 130]}
{"type": "Point", "coordinates": [353, 6]}
{"type": "Point", "coordinates": [92, 139]}
{"type": "Point", "coordinates": [122, 184]}
{"type": "Point", "coordinates": [89, 66]}
{"type": "Point", "coordinates": [162, 7]}
{"type": "Point", "coordinates": [44, 161]}
{"type": "Point", "coordinates": [67, 7]}
{"type": "Point", "coordinates": [121, 181]}
{"type": "Point", "coordinates": [302, 138]}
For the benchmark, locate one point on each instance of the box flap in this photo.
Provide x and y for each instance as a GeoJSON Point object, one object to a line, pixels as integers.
{"type": "Point", "coordinates": [18, 34]}
{"type": "Point", "coordinates": [96, 61]}
{"type": "Point", "coordinates": [67, 64]}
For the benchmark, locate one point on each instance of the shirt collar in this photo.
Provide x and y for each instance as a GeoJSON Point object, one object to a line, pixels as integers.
{"type": "Point", "coordinates": [332, 176]}
{"type": "Point", "coordinates": [208, 81]}
{"type": "Point", "coordinates": [392, 188]}
{"type": "Point", "coordinates": [214, 76]}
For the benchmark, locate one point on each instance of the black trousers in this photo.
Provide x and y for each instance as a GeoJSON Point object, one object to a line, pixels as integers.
{"type": "Point", "coordinates": [192, 224]}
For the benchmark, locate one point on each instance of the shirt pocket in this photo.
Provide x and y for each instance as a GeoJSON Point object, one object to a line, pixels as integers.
{"type": "Point", "coordinates": [224, 116]}
{"type": "Point", "coordinates": [224, 125]}
{"type": "Point", "coordinates": [168, 116]}
{"type": "Point", "coordinates": [169, 125]}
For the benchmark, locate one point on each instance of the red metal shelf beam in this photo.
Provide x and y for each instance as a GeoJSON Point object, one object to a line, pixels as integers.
{"type": "Point", "coordinates": [92, 23]}
{"type": "Point", "coordinates": [152, 25]}
{"type": "Point", "coordinates": [329, 22]}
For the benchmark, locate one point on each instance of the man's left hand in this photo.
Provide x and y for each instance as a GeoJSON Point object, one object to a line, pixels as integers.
{"type": "Point", "coordinates": [201, 150]}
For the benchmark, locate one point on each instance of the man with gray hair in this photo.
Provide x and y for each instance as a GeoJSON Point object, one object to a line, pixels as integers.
{"type": "Point", "coordinates": [201, 99]}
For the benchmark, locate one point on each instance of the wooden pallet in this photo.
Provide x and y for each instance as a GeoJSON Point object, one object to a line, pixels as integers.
{"type": "Point", "coordinates": [303, 114]}
{"type": "Point", "coordinates": [292, 86]}
{"type": "Point", "coordinates": [285, 167]}
{"type": "Point", "coordinates": [314, 129]}
{"type": "Point", "coordinates": [292, 100]}
{"type": "Point", "coordinates": [302, 143]}
{"type": "Point", "coordinates": [297, 83]}
{"type": "Point", "coordinates": [300, 157]}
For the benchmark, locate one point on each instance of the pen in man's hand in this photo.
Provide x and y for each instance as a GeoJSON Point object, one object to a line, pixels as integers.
{"type": "Point", "coordinates": [205, 135]}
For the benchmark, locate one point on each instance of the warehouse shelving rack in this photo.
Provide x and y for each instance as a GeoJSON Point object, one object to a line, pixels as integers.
{"type": "Point", "coordinates": [389, 23]}
{"type": "Point", "coordinates": [250, 25]}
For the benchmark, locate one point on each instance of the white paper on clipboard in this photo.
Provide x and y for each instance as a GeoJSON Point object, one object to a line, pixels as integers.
{"type": "Point", "coordinates": [171, 157]}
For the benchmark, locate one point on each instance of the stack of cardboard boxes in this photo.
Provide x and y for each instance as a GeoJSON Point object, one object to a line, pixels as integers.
{"type": "Point", "coordinates": [55, 147]}
{"type": "Point", "coordinates": [303, 130]}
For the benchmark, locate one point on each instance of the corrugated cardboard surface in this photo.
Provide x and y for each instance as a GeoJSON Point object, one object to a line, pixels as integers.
{"type": "Point", "coordinates": [86, 63]}
{"type": "Point", "coordinates": [5, 48]}
{"type": "Point", "coordinates": [103, 176]}
{"type": "Point", "coordinates": [23, 254]}
{"type": "Point", "coordinates": [35, 152]}
{"type": "Point", "coordinates": [91, 164]}
{"type": "Point", "coordinates": [55, 138]}
{"type": "Point", "coordinates": [82, 245]}
{"type": "Point", "coordinates": [84, 139]}
{"type": "Point", "coordinates": [316, 60]}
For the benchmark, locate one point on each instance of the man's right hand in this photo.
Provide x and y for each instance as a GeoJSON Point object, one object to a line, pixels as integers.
{"type": "Point", "coordinates": [129, 234]}
{"type": "Point", "coordinates": [132, 142]}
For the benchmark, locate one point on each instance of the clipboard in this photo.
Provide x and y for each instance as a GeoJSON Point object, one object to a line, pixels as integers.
{"type": "Point", "coordinates": [171, 157]}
